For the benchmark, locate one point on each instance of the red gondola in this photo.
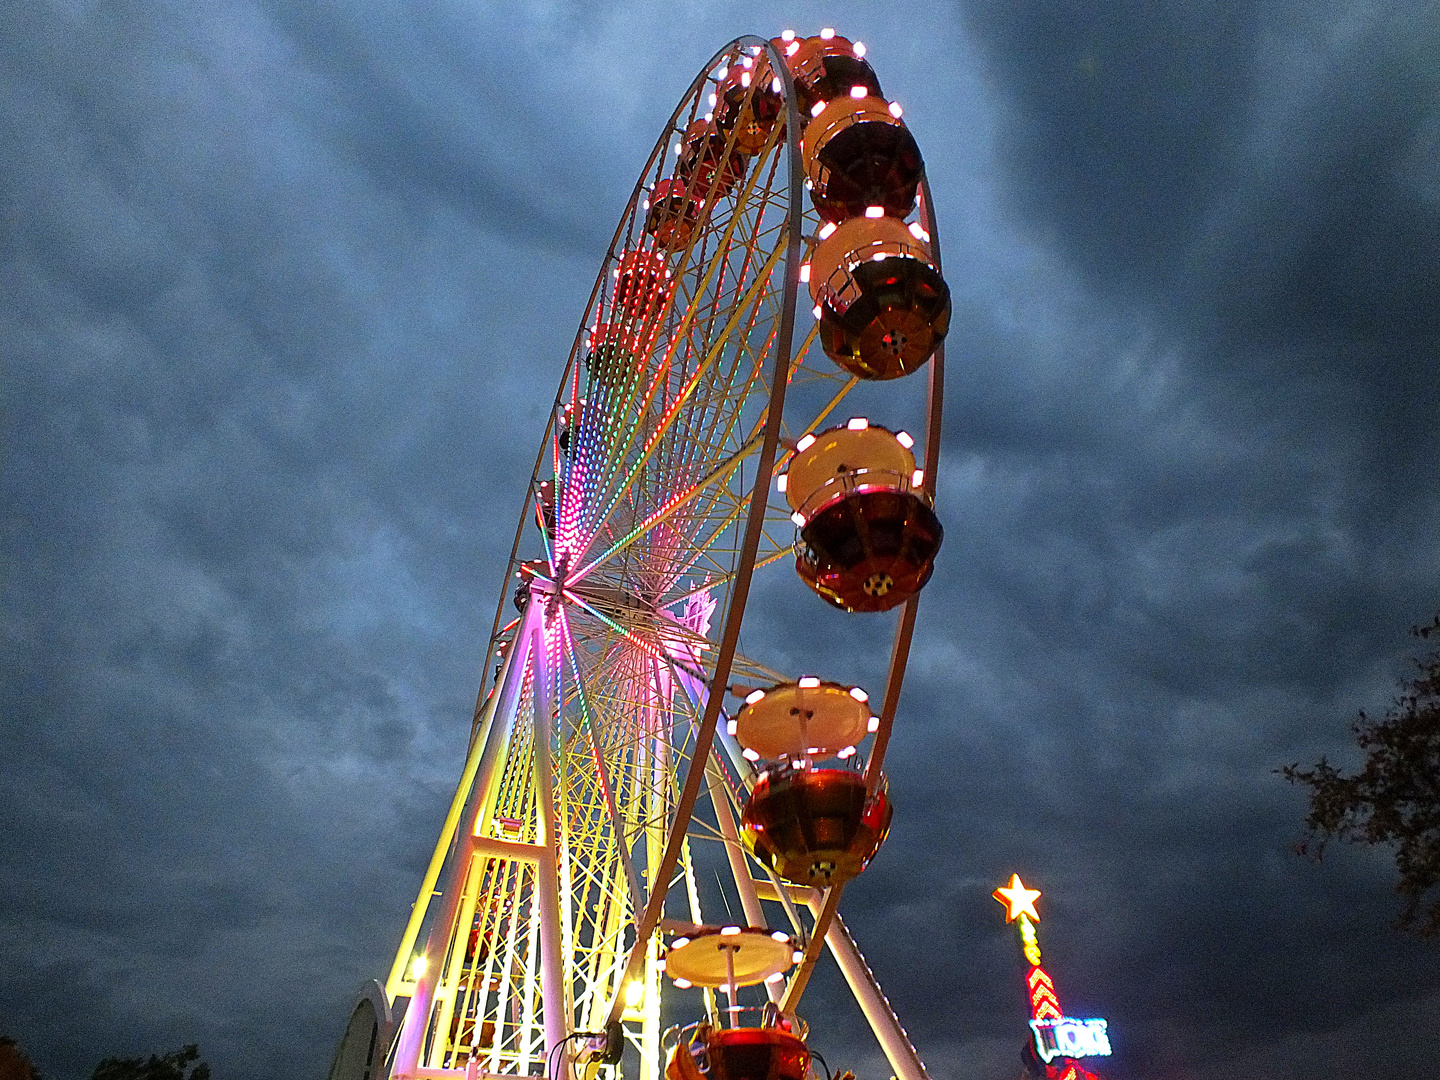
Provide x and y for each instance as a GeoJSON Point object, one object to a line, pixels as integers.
{"type": "Point", "coordinates": [882, 305]}
{"type": "Point", "coordinates": [868, 534]}
{"type": "Point", "coordinates": [814, 826]}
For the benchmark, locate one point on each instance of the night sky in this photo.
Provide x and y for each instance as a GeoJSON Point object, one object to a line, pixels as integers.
{"type": "Point", "coordinates": [285, 291]}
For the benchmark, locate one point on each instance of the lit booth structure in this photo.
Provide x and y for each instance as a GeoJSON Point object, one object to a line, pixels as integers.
{"type": "Point", "coordinates": [1059, 1043]}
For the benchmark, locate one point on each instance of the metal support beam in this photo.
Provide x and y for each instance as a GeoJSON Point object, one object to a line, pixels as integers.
{"type": "Point", "coordinates": [506, 849]}
{"type": "Point", "coordinates": [863, 985]}
{"type": "Point", "coordinates": [484, 719]}
{"type": "Point", "coordinates": [872, 1001]}
{"type": "Point", "coordinates": [417, 1015]}
{"type": "Point", "coordinates": [824, 911]}
{"type": "Point", "coordinates": [735, 852]}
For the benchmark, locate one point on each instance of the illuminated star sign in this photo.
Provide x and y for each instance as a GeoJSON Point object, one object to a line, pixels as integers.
{"type": "Point", "coordinates": [1018, 900]}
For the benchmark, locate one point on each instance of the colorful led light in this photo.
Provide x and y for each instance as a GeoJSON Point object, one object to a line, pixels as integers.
{"type": "Point", "coordinates": [1067, 1036]}
{"type": "Point", "coordinates": [1028, 940]}
{"type": "Point", "coordinates": [1018, 900]}
{"type": "Point", "coordinates": [1055, 1034]}
{"type": "Point", "coordinates": [1044, 1002]}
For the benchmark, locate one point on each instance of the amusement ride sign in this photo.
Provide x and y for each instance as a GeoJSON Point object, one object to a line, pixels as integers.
{"type": "Point", "coordinates": [1059, 1039]}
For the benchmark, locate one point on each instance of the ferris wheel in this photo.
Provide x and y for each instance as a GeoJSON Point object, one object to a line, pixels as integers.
{"type": "Point", "coordinates": [777, 250]}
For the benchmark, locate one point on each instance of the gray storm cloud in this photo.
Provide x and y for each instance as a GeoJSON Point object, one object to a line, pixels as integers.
{"type": "Point", "coordinates": [284, 293]}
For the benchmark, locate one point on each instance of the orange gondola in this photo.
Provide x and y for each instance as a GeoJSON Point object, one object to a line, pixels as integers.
{"type": "Point", "coordinates": [868, 533]}
{"type": "Point", "coordinates": [861, 159]}
{"type": "Point", "coordinates": [826, 67]}
{"type": "Point", "coordinates": [883, 306]}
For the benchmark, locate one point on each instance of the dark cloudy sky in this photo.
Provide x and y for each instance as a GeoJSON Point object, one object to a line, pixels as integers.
{"type": "Point", "coordinates": [285, 289]}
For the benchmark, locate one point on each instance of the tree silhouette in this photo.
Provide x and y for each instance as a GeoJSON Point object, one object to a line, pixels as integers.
{"type": "Point", "coordinates": [171, 1066]}
{"type": "Point", "coordinates": [14, 1065]}
{"type": "Point", "coordinates": [1395, 797]}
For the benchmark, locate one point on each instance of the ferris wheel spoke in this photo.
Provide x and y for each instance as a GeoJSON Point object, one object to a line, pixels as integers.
{"type": "Point", "coordinates": [680, 336]}
{"type": "Point", "coordinates": [600, 774]}
{"type": "Point", "coordinates": [626, 482]}
{"type": "Point", "coordinates": [723, 421]}
{"type": "Point", "coordinates": [738, 507]}
{"type": "Point", "coordinates": [671, 507]}
{"type": "Point", "coordinates": [706, 546]}
{"type": "Point", "coordinates": [714, 435]}
{"type": "Point", "coordinates": [700, 538]}
{"type": "Point", "coordinates": [709, 430]}
{"type": "Point", "coordinates": [724, 577]}
{"type": "Point", "coordinates": [708, 345]}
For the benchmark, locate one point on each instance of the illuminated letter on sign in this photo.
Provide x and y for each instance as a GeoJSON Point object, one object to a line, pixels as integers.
{"type": "Point", "coordinates": [1071, 1038]}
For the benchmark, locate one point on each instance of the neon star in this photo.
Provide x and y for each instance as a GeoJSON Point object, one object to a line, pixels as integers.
{"type": "Point", "coordinates": [1018, 900]}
